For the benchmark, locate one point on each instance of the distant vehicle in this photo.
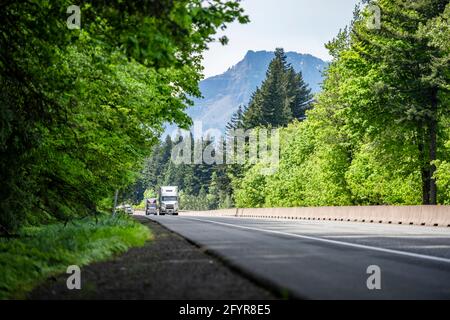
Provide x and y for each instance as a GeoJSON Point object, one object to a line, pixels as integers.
{"type": "Point", "coordinates": [168, 200]}
{"type": "Point", "coordinates": [151, 206]}
{"type": "Point", "coordinates": [129, 209]}
{"type": "Point", "coordinates": [126, 208]}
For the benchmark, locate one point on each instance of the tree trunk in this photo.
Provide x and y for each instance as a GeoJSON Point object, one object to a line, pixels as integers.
{"type": "Point", "coordinates": [433, 126]}
{"type": "Point", "coordinates": [425, 173]}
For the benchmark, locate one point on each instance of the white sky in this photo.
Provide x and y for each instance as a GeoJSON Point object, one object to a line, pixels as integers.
{"type": "Point", "coordinates": [302, 26]}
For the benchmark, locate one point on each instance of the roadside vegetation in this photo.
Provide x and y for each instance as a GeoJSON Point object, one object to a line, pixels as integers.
{"type": "Point", "coordinates": [81, 107]}
{"type": "Point", "coordinates": [43, 251]}
{"type": "Point", "coordinates": [206, 187]}
{"type": "Point", "coordinates": [377, 134]}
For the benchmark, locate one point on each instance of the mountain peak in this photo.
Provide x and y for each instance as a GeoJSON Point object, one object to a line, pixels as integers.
{"type": "Point", "coordinates": [251, 53]}
{"type": "Point", "coordinates": [224, 93]}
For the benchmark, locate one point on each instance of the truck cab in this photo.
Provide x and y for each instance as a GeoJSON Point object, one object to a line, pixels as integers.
{"type": "Point", "coordinates": [168, 200]}
{"type": "Point", "coordinates": [151, 206]}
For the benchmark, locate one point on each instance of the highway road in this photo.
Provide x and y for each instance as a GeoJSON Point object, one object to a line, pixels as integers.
{"type": "Point", "coordinates": [328, 260]}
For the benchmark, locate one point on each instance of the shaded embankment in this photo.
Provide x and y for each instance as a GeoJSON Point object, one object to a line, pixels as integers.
{"type": "Point", "coordinates": [169, 267]}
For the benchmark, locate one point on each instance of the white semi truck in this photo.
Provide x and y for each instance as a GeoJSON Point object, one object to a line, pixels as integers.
{"type": "Point", "coordinates": [151, 206]}
{"type": "Point", "coordinates": [168, 200]}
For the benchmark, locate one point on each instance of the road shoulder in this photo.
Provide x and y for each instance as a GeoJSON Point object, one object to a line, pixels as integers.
{"type": "Point", "coordinates": [169, 267]}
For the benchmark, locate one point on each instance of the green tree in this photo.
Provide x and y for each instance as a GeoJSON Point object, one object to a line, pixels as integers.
{"type": "Point", "coordinates": [298, 94]}
{"type": "Point", "coordinates": [80, 109]}
{"type": "Point", "coordinates": [379, 130]}
{"type": "Point", "coordinates": [399, 85]}
{"type": "Point", "coordinates": [237, 120]}
{"type": "Point", "coordinates": [269, 105]}
{"type": "Point", "coordinates": [282, 97]}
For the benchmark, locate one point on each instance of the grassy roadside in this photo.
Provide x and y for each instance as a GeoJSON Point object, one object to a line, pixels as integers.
{"type": "Point", "coordinates": [43, 251]}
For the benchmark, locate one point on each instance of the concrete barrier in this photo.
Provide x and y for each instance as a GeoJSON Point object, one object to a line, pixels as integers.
{"type": "Point", "coordinates": [438, 216]}
{"type": "Point", "coordinates": [218, 213]}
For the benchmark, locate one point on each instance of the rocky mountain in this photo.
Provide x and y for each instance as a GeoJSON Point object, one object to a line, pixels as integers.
{"type": "Point", "coordinates": [223, 94]}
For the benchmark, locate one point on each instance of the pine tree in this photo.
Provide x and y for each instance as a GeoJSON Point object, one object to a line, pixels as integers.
{"type": "Point", "coordinates": [298, 94]}
{"type": "Point", "coordinates": [253, 116]}
{"type": "Point", "coordinates": [240, 118]}
{"type": "Point", "coordinates": [282, 97]}
{"type": "Point", "coordinates": [232, 123]}
{"type": "Point", "coordinates": [274, 109]}
{"type": "Point", "coordinates": [166, 151]}
{"type": "Point", "coordinates": [237, 120]}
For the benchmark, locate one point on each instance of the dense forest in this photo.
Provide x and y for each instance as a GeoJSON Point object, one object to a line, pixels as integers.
{"type": "Point", "coordinates": [81, 106]}
{"type": "Point", "coordinates": [209, 186]}
{"type": "Point", "coordinates": [378, 133]}
{"type": "Point", "coordinates": [82, 110]}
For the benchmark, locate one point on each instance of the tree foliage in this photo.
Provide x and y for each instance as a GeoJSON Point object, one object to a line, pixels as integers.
{"type": "Point", "coordinates": [80, 109]}
{"type": "Point", "coordinates": [202, 186]}
{"type": "Point", "coordinates": [379, 130]}
{"type": "Point", "coordinates": [282, 97]}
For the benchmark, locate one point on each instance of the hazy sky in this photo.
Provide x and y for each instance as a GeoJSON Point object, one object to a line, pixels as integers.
{"type": "Point", "coordinates": [303, 26]}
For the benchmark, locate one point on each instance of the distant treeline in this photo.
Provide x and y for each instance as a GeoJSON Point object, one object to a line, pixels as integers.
{"type": "Point", "coordinates": [206, 186]}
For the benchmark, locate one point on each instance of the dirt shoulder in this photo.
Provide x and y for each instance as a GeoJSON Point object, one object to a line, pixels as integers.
{"type": "Point", "coordinates": [169, 267]}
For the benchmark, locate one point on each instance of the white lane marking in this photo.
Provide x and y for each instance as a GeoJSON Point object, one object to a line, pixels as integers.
{"type": "Point", "coordinates": [387, 235]}
{"type": "Point", "coordinates": [353, 245]}
{"type": "Point", "coordinates": [428, 247]}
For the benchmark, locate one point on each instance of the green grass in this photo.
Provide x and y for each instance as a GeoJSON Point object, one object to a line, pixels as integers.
{"type": "Point", "coordinates": [48, 250]}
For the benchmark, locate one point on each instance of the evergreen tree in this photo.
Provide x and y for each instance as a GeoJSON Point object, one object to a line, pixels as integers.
{"type": "Point", "coordinates": [237, 120]}
{"type": "Point", "coordinates": [166, 152]}
{"type": "Point", "coordinates": [298, 94]}
{"type": "Point", "coordinates": [274, 107]}
{"type": "Point", "coordinates": [253, 116]}
{"type": "Point", "coordinates": [240, 117]}
{"type": "Point", "coordinates": [283, 96]}
{"type": "Point", "coordinates": [203, 171]}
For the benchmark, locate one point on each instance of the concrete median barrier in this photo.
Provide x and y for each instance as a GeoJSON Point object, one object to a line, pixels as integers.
{"type": "Point", "coordinates": [218, 213]}
{"type": "Point", "coordinates": [438, 216]}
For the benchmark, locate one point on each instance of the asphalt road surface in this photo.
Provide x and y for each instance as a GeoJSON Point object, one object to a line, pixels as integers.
{"type": "Point", "coordinates": [328, 260]}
